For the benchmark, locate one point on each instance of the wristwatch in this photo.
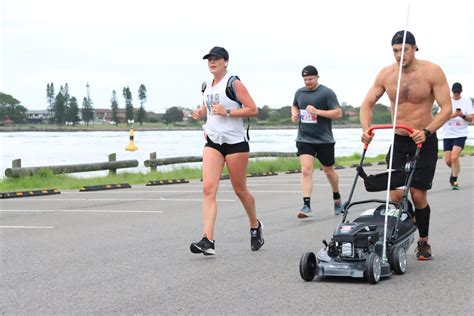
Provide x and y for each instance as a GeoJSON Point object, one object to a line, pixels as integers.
{"type": "Point", "coordinates": [427, 132]}
{"type": "Point", "coordinates": [228, 112]}
{"type": "Point", "coordinates": [463, 117]}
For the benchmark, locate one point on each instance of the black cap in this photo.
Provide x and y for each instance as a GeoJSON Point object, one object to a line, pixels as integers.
{"type": "Point", "coordinates": [217, 52]}
{"type": "Point", "coordinates": [457, 87]}
{"type": "Point", "coordinates": [309, 71]}
{"type": "Point", "coordinates": [398, 38]}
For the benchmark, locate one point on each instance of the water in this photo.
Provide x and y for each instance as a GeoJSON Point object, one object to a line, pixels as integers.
{"type": "Point", "coordinates": [61, 148]}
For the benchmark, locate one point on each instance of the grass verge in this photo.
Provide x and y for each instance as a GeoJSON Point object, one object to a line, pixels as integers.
{"type": "Point", "coordinates": [46, 179]}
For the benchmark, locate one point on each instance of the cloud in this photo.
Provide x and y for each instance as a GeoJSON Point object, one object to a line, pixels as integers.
{"type": "Point", "coordinates": [112, 44]}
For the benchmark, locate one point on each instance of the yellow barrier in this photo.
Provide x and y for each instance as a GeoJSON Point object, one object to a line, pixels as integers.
{"type": "Point", "coordinates": [131, 145]}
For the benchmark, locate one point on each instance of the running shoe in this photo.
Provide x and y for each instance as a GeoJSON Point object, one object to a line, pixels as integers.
{"type": "Point", "coordinates": [455, 185]}
{"type": "Point", "coordinates": [338, 207]}
{"type": "Point", "coordinates": [204, 246]}
{"type": "Point", "coordinates": [305, 212]}
{"type": "Point", "coordinates": [256, 237]}
{"type": "Point", "coordinates": [423, 251]}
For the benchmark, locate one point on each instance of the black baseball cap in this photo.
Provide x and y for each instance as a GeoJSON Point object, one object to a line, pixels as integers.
{"type": "Point", "coordinates": [457, 87]}
{"type": "Point", "coordinates": [217, 52]}
{"type": "Point", "coordinates": [398, 38]}
{"type": "Point", "coordinates": [309, 71]}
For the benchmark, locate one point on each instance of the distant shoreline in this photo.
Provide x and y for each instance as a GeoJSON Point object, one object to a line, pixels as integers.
{"type": "Point", "coordinates": [138, 128]}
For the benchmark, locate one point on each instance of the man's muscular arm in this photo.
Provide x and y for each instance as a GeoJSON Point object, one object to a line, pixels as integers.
{"type": "Point", "coordinates": [442, 97]}
{"type": "Point", "coordinates": [374, 94]}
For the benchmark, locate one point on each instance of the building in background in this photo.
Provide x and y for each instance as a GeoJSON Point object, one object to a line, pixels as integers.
{"type": "Point", "coordinates": [38, 116]}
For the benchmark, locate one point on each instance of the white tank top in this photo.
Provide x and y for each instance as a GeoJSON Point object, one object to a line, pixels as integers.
{"type": "Point", "coordinates": [222, 129]}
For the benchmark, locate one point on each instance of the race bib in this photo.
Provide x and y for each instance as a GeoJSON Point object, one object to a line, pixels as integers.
{"type": "Point", "coordinates": [306, 117]}
{"type": "Point", "coordinates": [456, 123]}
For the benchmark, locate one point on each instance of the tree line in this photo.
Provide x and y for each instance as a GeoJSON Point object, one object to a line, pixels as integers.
{"type": "Point", "coordinates": [63, 108]}
{"type": "Point", "coordinates": [12, 109]}
{"type": "Point", "coordinates": [268, 116]}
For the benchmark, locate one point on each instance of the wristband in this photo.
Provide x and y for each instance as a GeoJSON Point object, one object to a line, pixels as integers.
{"type": "Point", "coordinates": [427, 132]}
{"type": "Point", "coordinates": [228, 112]}
{"type": "Point", "coordinates": [463, 117]}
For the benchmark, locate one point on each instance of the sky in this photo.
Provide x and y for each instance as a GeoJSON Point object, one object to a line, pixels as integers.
{"type": "Point", "coordinates": [114, 44]}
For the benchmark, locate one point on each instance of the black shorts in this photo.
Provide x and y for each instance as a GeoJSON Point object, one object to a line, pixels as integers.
{"type": "Point", "coordinates": [426, 164]}
{"type": "Point", "coordinates": [228, 149]}
{"type": "Point", "coordinates": [323, 152]}
{"type": "Point", "coordinates": [448, 143]}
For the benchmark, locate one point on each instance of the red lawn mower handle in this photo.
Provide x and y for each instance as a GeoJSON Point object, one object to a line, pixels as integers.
{"type": "Point", "coordinates": [387, 126]}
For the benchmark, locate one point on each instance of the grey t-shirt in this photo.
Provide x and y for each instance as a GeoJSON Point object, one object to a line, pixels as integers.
{"type": "Point", "coordinates": [312, 129]}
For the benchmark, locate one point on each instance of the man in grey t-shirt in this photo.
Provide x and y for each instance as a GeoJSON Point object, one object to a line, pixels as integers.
{"type": "Point", "coordinates": [314, 107]}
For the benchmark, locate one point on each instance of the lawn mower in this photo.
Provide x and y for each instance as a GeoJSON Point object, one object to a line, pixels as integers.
{"type": "Point", "coordinates": [357, 249]}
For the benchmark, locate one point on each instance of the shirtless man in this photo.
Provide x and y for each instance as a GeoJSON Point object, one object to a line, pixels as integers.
{"type": "Point", "coordinates": [422, 83]}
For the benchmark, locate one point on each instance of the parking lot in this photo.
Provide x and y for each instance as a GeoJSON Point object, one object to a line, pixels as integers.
{"type": "Point", "coordinates": [126, 251]}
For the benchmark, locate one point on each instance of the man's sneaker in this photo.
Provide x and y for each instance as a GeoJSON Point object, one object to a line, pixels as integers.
{"type": "Point", "coordinates": [455, 185]}
{"type": "Point", "coordinates": [204, 246]}
{"type": "Point", "coordinates": [423, 251]}
{"type": "Point", "coordinates": [305, 212]}
{"type": "Point", "coordinates": [256, 237]}
{"type": "Point", "coordinates": [338, 207]}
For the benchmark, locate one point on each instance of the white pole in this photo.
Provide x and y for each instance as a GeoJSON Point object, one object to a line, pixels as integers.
{"type": "Point", "coordinates": [395, 111]}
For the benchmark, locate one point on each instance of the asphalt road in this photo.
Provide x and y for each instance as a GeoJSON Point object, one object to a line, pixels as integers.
{"type": "Point", "coordinates": [127, 252]}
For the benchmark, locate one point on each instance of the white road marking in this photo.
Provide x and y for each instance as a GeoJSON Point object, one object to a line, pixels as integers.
{"type": "Point", "coordinates": [111, 199]}
{"type": "Point", "coordinates": [193, 200]}
{"type": "Point", "coordinates": [149, 191]}
{"type": "Point", "coordinates": [28, 227]}
{"type": "Point", "coordinates": [80, 211]}
{"type": "Point", "coordinates": [200, 191]}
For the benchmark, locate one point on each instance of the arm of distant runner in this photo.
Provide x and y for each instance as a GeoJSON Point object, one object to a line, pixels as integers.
{"type": "Point", "coordinates": [468, 114]}
{"type": "Point", "coordinates": [200, 112]}
{"type": "Point", "coordinates": [333, 114]}
{"type": "Point", "coordinates": [468, 118]}
{"type": "Point", "coordinates": [203, 110]}
{"type": "Point", "coordinates": [249, 108]}
{"type": "Point", "coordinates": [295, 113]}
{"type": "Point", "coordinates": [333, 111]}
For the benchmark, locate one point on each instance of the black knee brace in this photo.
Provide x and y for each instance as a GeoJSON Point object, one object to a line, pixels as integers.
{"type": "Point", "coordinates": [422, 217]}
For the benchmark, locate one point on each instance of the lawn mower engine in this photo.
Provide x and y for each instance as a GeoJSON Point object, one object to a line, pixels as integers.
{"type": "Point", "coordinates": [354, 241]}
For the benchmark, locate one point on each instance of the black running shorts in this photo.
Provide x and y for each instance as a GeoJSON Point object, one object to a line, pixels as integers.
{"type": "Point", "coordinates": [449, 143]}
{"type": "Point", "coordinates": [323, 152]}
{"type": "Point", "coordinates": [426, 164]}
{"type": "Point", "coordinates": [228, 149]}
